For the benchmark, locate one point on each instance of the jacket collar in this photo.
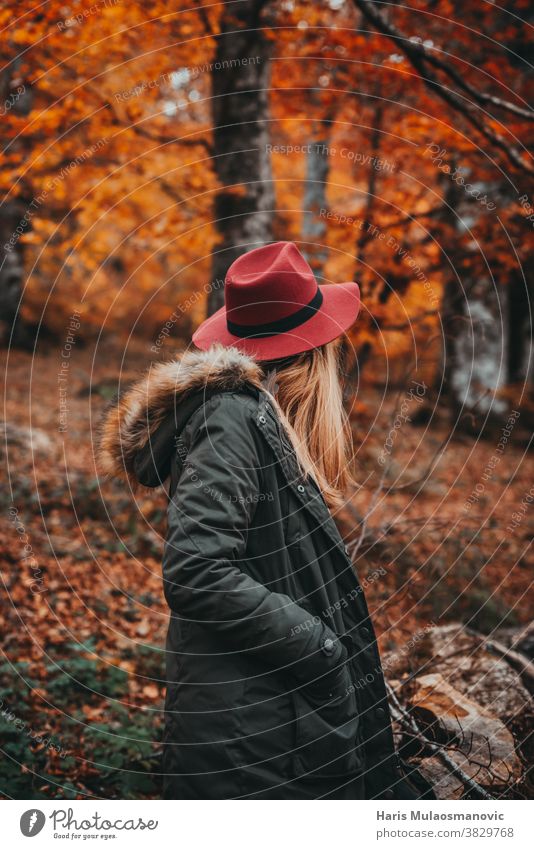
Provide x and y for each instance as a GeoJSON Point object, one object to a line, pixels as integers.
{"type": "Point", "coordinates": [131, 424]}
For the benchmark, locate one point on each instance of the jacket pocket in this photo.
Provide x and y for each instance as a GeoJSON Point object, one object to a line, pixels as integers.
{"type": "Point", "coordinates": [327, 740]}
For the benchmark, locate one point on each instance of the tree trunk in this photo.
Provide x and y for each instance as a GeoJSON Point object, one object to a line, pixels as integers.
{"type": "Point", "coordinates": [480, 354]}
{"type": "Point", "coordinates": [14, 220]}
{"type": "Point", "coordinates": [313, 225]}
{"type": "Point", "coordinates": [11, 272]}
{"type": "Point", "coordinates": [240, 81]}
{"type": "Point", "coordinates": [376, 137]}
{"type": "Point", "coordinates": [356, 365]}
{"type": "Point", "coordinates": [474, 318]}
{"type": "Point", "coordinates": [520, 360]}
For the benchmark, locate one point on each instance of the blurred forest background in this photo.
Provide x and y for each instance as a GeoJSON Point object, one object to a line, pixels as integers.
{"type": "Point", "coordinates": [143, 146]}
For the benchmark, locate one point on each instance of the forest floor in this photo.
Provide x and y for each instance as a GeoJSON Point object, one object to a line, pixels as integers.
{"type": "Point", "coordinates": [84, 620]}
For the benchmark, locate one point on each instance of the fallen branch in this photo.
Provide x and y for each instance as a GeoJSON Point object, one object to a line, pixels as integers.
{"type": "Point", "coordinates": [521, 664]}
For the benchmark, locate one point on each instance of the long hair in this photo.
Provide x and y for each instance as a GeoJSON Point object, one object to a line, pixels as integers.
{"type": "Point", "coordinates": [309, 394]}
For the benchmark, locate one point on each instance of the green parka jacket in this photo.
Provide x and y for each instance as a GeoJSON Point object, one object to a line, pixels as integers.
{"type": "Point", "coordinates": [274, 682]}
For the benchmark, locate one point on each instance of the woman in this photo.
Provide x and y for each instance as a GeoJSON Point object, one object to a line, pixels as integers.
{"type": "Point", "coordinates": [274, 683]}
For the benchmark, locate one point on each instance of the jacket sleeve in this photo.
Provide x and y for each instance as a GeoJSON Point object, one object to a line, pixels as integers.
{"type": "Point", "coordinates": [208, 520]}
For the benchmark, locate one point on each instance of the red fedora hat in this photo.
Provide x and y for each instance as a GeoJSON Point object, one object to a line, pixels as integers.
{"type": "Point", "coordinates": [274, 307]}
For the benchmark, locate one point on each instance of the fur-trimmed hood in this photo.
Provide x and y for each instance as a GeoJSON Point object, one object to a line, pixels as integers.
{"type": "Point", "coordinates": [130, 423]}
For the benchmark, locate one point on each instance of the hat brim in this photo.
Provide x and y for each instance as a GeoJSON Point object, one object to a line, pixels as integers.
{"type": "Point", "coordinates": [338, 312]}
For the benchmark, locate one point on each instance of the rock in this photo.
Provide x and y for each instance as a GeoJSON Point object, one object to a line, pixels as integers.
{"type": "Point", "coordinates": [467, 694]}
{"type": "Point", "coordinates": [32, 439]}
{"type": "Point", "coordinates": [486, 750]}
{"type": "Point", "coordinates": [463, 661]}
{"type": "Point", "coordinates": [444, 783]}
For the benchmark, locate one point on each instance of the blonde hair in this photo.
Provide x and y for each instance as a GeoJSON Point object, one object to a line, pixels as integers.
{"type": "Point", "coordinates": [308, 393]}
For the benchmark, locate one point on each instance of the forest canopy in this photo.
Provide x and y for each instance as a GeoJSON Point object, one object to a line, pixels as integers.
{"type": "Point", "coordinates": [143, 142]}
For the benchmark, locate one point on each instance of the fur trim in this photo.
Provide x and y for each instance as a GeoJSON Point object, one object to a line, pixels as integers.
{"type": "Point", "coordinates": [138, 413]}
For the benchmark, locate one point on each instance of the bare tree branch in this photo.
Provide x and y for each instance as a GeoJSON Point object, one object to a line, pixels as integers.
{"type": "Point", "coordinates": [520, 663]}
{"type": "Point", "coordinates": [421, 60]}
{"type": "Point", "coordinates": [203, 15]}
{"type": "Point", "coordinates": [408, 722]}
